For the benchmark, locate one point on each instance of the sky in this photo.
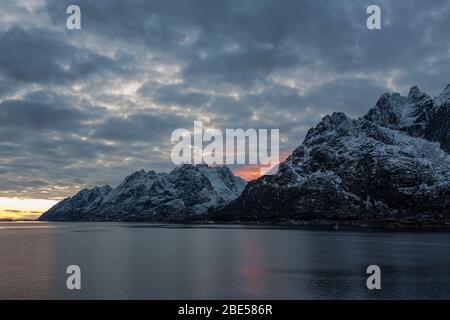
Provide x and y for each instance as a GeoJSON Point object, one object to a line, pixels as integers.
{"type": "Point", "coordinates": [87, 107]}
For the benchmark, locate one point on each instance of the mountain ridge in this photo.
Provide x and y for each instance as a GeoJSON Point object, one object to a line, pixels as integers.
{"type": "Point", "coordinates": [392, 164]}
{"type": "Point", "coordinates": [148, 196]}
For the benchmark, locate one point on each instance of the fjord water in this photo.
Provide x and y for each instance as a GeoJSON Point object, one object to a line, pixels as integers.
{"type": "Point", "coordinates": [148, 261]}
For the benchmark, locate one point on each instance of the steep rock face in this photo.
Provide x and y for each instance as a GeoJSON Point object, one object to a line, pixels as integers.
{"type": "Point", "coordinates": [391, 163]}
{"type": "Point", "coordinates": [151, 196]}
{"type": "Point", "coordinates": [418, 115]}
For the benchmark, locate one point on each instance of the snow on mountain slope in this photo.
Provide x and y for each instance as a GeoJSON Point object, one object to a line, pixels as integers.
{"type": "Point", "coordinates": [147, 196]}
{"type": "Point", "coordinates": [390, 163]}
{"type": "Point", "coordinates": [418, 115]}
{"type": "Point", "coordinates": [393, 163]}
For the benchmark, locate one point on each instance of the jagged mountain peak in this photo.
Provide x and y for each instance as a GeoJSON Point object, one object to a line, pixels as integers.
{"type": "Point", "coordinates": [203, 168]}
{"type": "Point", "coordinates": [446, 90]}
{"type": "Point", "coordinates": [104, 189]}
{"type": "Point", "coordinates": [141, 173]}
{"type": "Point", "coordinates": [415, 95]}
{"type": "Point", "coordinates": [220, 178]}
{"type": "Point", "coordinates": [402, 113]}
{"type": "Point", "coordinates": [328, 123]}
{"type": "Point", "coordinates": [388, 110]}
{"type": "Point", "coordinates": [444, 96]}
{"type": "Point", "coordinates": [392, 163]}
{"type": "Point", "coordinates": [138, 178]}
{"type": "Point", "coordinates": [149, 196]}
{"type": "Point", "coordinates": [190, 167]}
{"type": "Point", "coordinates": [334, 120]}
{"type": "Point", "coordinates": [418, 115]}
{"type": "Point", "coordinates": [97, 191]}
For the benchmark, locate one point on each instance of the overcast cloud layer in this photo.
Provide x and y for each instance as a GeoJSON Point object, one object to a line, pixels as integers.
{"type": "Point", "coordinates": [87, 107]}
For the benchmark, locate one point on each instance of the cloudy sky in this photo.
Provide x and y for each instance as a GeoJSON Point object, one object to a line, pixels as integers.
{"type": "Point", "coordinates": [87, 107]}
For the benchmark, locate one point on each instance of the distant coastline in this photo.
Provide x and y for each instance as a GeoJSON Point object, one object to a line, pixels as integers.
{"type": "Point", "coordinates": [18, 220]}
{"type": "Point", "coordinates": [370, 225]}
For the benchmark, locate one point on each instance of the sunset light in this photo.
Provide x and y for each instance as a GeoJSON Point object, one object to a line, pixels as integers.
{"type": "Point", "coordinates": [224, 159]}
{"type": "Point", "coordinates": [15, 208]}
{"type": "Point", "coordinates": [253, 171]}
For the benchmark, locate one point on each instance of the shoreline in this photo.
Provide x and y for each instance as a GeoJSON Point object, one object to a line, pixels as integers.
{"type": "Point", "coordinates": [383, 225]}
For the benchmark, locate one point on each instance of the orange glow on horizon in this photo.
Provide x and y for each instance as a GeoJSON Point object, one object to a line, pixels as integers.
{"type": "Point", "coordinates": [16, 209]}
{"type": "Point", "coordinates": [250, 172]}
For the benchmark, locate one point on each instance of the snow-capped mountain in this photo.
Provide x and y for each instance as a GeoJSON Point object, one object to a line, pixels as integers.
{"type": "Point", "coordinates": [151, 196]}
{"type": "Point", "coordinates": [418, 115]}
{"type": "Point", "coordinates": [391, 164]}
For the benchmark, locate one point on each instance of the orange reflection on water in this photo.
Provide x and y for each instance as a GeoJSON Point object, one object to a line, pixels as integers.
{"type": "Point", "coordinates": [251, 266]}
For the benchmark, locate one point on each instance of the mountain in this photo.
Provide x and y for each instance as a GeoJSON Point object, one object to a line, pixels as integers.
{"type": "Point", "coordinates": [390, 166]}
{"type": "Point", "coordinates": [418, 115]}
{"type": "Point", "coordinates": [150, 196]}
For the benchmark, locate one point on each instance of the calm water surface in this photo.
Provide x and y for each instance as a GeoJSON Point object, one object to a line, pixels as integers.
{"type": "Point", "coordinates": [145, 261]}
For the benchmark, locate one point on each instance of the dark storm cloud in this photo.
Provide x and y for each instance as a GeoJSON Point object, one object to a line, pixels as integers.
{"type": "Point", "coordinates": [6, 87]}
{"type": "Point", "coordinates": [339, 95]}
{"type": "Point", "coordinates": [174, 94]}
{"type": "Point", "coordinates": [276, 101]}
{"type": "Point", "coordinates": [141, 127]}
{"type": "Point", "coordinates": [109, 95]}
{"type": "Point", "coordinates": [243, 67]}
{"type": "Point", "coordinates": [241, 42]}
{"type": "Point", "coordinates": [68, 149]}
{"type": "Point", "coordinates": [238, 42]}
{"type": "Point", "coordinates": [42, 56]}
{"type": "Point", "coordinates": [33, 115]}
